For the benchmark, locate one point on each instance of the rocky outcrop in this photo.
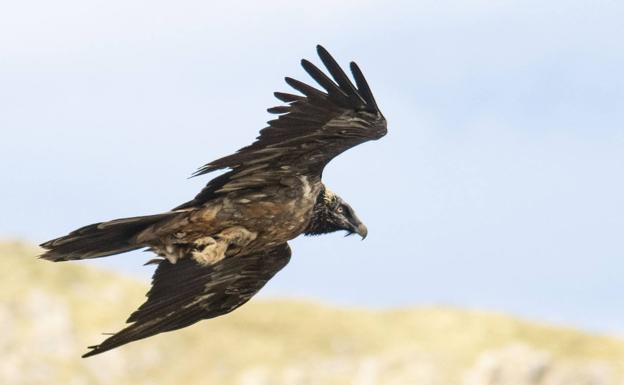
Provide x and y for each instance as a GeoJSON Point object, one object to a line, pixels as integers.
{"type": "Point", "coordinates": [520, 364]}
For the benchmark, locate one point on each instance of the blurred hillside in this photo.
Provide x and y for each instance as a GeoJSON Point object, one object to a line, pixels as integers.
{"type": "Point", "coordinates": [50, 312]}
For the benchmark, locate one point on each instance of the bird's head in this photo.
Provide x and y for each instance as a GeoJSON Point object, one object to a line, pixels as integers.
{"type": "Point", "coordinates": [332, 213]}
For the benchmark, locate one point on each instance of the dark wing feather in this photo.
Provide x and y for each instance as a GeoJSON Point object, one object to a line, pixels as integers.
{"type": "Point", "coordinates": [342, 78]}
{"type": "Point", "coordinates": [187, 292]}
{"type": "Point", "coordinates": [311, 130]}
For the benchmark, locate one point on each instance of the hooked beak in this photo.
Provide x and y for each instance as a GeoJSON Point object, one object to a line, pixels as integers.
{"type": "Point", "coordinates": [354, 225]}
{"type": "Point", "coordinates": [361, 230]}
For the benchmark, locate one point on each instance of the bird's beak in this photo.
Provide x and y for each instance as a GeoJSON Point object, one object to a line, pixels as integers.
{"type": "Point", "coordinates": [362, 230]}
{"type": "Point", "coordinates": [355, 226]}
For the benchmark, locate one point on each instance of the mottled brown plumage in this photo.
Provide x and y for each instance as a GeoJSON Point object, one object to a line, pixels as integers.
{"type": "Point", "coordinates": [217, 250]}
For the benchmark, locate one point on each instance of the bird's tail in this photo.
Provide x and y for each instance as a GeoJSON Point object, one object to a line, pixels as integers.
{"type": "Point", "coordinates": [100, 239]}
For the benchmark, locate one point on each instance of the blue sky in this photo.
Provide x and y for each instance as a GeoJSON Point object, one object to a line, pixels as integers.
{"type": "Point", "coordinates": [499, 185]}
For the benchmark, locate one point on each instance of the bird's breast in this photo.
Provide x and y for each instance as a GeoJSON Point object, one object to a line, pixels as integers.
{"type": "Point", "coordinates": [278, 214]}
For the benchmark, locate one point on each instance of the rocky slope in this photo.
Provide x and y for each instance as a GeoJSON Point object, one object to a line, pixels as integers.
{"type": "Point", "coordinates": [50, 312]}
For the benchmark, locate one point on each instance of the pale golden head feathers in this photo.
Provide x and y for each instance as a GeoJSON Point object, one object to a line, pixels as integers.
{"type": "Point", "coordinates": [329, 196]}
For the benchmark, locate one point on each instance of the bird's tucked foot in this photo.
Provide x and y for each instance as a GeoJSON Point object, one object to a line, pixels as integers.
{"type": "Point", "coordinates": [210, 250]}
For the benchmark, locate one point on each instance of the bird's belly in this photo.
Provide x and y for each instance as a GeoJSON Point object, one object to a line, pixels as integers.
{"type": "Point", "coordinates": [260, 219]}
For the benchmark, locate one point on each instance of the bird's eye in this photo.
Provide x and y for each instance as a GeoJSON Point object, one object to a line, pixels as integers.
{"type": "Point", "coordinates": [340, 210]}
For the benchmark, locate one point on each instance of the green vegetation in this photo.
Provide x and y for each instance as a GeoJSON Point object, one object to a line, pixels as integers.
{"type": "Point", "coordinates": [50, 312]}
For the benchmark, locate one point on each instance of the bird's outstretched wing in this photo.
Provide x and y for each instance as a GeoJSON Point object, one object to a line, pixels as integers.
{"type": "Point", "coordinates": [186, 292]}
{"type": "Point", "coordinates": [310, 131]}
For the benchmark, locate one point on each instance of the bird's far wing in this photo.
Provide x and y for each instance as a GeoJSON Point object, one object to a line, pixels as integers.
{"type": "Point", "coordinates": [309, 132]}
{"type": "Point", "coordinates": [186, 292]}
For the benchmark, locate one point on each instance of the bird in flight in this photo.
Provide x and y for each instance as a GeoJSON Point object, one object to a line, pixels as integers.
{"type": "Point", "coordinates": [218, 250]}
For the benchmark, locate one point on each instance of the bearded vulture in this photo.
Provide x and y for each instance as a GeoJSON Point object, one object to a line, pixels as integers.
{"type": "Point", "coordinates": [219, 249]}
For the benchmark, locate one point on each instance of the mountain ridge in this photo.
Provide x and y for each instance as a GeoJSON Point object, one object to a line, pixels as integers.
{"type": "Point", "coordinates": [51, 312]}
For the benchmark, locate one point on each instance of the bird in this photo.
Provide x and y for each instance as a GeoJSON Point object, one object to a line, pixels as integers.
{"type": "Point", "coordinates": [216, 251]}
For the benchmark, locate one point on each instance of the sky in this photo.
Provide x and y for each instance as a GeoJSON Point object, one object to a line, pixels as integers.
{"type": "Point", "coordinates": [499, 185]}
